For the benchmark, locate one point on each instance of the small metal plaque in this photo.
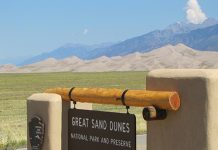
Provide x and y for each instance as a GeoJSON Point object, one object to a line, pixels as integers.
{"type": "Point", "coordinates": [36, 132]}
{"type": "Point", "coordinates": [97, 130]}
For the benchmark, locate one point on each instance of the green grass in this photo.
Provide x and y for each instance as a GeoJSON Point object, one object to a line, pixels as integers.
{"type": "Point", "coordinates": [15, 88]}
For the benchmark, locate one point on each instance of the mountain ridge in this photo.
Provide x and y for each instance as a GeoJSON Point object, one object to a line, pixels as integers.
{"type": "Point", "coordinates": [169, 56]}
{"type": "Point", "coordinates": [142, 43]}
{"type": "Point", "coordinates": [159, 38]}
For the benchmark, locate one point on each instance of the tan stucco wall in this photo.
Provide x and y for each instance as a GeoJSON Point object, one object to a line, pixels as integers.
{"type": "Point", "coordinates": [195, 125]}
{"type": "Point", "coordinates": [49, 108]}
{"type": "Point", "coordinates": [54, 113]}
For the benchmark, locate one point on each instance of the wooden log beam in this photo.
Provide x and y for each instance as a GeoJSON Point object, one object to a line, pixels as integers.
{"type": "Point", "coordinates": [139, 98]}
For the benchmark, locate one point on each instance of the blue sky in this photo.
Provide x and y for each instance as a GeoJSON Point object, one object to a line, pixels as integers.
{"type": "Point", "coordinates": [30, 27]}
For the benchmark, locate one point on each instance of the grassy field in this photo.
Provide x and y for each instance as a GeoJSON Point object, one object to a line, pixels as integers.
{"type": "Point", "coordinates": [15, 88]}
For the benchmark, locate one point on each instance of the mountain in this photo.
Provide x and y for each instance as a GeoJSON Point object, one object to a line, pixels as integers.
{"type": "Point", "coordinates": [65, 51]}
{"type": "Point", "coordinates": [186, 33]}
{"type": "Point", "coordinates": [184, 27]}
{"type": "Point", "coordinates": [180, 32]}
{"type": "Point", "coordinates": [169, 56]}
{"type": "Point", "coordinates": [201, 39]}
{"type": "Point", "coordinates": [8, 68]}
{"type": "Point", "coordinates": [142, 43]}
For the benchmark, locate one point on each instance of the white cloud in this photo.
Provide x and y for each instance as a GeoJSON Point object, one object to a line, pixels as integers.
{"type": "Point", "coordinates": [85, 31]}
{"type": "Point", "coordinates": [194, 14]}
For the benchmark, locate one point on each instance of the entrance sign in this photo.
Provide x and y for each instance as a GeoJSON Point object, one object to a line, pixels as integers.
{"type": "Point", "coordinates": [101, 130]}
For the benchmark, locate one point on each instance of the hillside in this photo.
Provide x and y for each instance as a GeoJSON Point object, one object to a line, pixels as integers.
{"type": "Point", "coordinates": [65, 51]}
{"type": "Point", "coordinates": [201, 36]}
{"type": "Point", "coordinates": [200, 39]}
{"type": "Point", "coordinates": [169, 56]}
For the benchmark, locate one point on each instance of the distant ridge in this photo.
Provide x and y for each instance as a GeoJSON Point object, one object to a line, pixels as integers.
{"type": "Point", "coordinates": [201, 37]}
{"type": "Point", "coordinates": [79, 50]}
{"type": "Point", "coordinates": [169, 56]}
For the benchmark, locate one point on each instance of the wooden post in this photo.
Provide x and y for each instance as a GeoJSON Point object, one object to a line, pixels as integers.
{"type": "Point", "coordinates": [140, 98]}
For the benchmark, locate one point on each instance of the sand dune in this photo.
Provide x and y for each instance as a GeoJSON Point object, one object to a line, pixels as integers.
{"type": "Point", "coordinates": [178, 56]}
{"type": "Point", "coordinates": [8, 68]}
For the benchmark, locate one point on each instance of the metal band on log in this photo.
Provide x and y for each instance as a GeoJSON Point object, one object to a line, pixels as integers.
{"type": "Point", "coordinates": [139, 98]}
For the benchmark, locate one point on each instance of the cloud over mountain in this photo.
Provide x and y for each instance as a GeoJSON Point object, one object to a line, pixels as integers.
{"type": "Point", "coordinates": [194, 13]}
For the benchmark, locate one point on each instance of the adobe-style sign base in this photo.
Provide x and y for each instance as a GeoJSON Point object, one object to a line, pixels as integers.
{"type": "Point", "coordinates": [195, 125]}
{"type": "Point", "coordinates": [101, 130]}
